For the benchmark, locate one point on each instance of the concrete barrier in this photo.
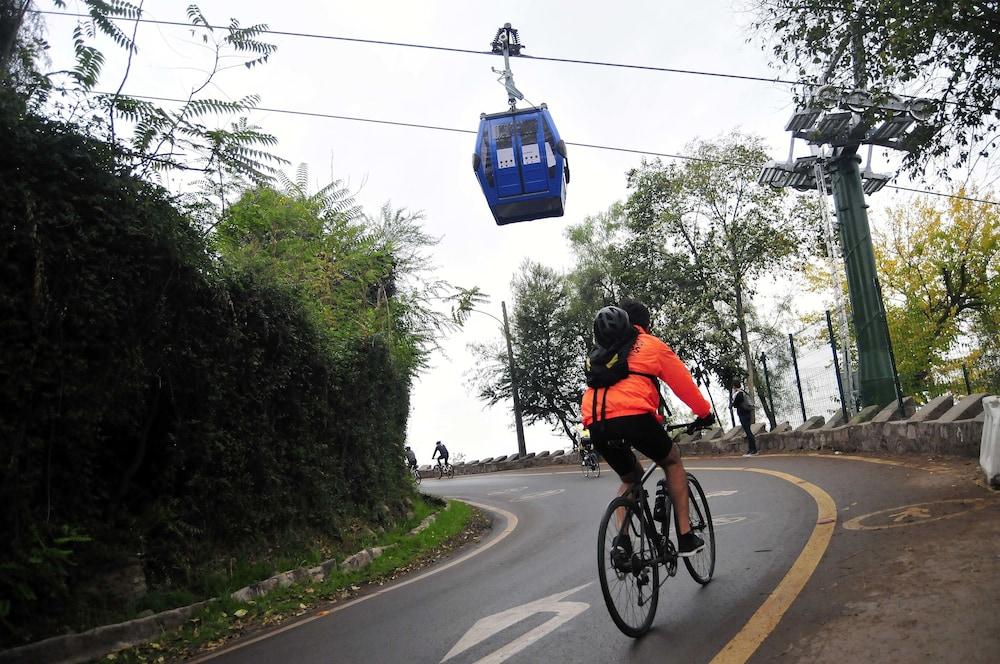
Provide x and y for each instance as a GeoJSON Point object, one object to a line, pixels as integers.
{"type": "Point", "coordinates": [814, 422]}
{"type": "Point", "coordinates": [865, 414]}
{"type": "Point", "coordinates": [933, 409]}
{"type": "Point", "coordinates": [966, 409]}
{"type": "Point", "coordinates": [893, 412]}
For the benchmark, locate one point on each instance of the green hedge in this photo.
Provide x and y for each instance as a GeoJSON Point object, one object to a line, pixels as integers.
{"type": "Point", "coordinates": [151, 402]}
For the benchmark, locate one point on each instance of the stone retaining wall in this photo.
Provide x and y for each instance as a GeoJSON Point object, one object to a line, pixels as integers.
{"type": "Point", "coordinates": [940, 427]}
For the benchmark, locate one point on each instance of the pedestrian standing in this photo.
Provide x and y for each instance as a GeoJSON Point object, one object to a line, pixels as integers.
{"type": "Point", "coordinates": [741, 401]}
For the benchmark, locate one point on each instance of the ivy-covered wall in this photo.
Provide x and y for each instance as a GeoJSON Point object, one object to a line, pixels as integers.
{"type": "Point", "coordinates": [154, 404]}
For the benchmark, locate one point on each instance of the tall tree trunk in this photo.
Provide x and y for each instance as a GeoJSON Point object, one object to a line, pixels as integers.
{"type": "Point", "coordinates": [744, 339]}
{"type": "Point", "coordinates": [11, 17]}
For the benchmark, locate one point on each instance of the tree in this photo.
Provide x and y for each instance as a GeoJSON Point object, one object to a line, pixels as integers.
{"type": "Point", "coordinates": [948, 51]}
{"type": "Point", "coordinates": [204, 135]}
{"type": "Point", "coordinates": [615, 258]}
{"type": "Point", "coordinates": [721, 230]}
{"type": "Point", "coordinates": [362, 276]}
{"type": "Point", "coordinates": [940, 269]}
{"type": "Point", "coordinates": [547, 349]}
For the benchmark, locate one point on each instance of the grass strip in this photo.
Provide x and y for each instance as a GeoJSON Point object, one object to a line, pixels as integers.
{"type": "Point", "coordinates": [227, 618]}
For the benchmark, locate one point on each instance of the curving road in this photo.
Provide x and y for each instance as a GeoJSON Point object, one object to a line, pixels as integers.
{"type": "Point", "coordinates": [530, 592]}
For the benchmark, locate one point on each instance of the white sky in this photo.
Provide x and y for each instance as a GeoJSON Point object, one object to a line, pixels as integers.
{"type": "Point", "coordinates": [431, 171]}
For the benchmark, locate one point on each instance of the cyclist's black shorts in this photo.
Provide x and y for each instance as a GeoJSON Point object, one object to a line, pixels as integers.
{"type": "Point", "coordinates": [643, 432]}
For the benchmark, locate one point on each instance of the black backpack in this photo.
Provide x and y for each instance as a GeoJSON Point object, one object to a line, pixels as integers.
{"type": "Point", "coordinates": [606, 366]}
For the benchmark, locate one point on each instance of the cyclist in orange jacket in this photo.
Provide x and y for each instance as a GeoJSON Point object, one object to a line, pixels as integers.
{"type": "Point", "coordinates": [629, 410]}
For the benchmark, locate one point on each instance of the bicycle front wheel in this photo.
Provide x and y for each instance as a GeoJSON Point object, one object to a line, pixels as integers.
{"type": "Point", "coordinates": [416, 475]}
{"type": "Point", "coordinates": [702, 564]}
{"type": "Point", "coordinates": [630, 583]}
{"type": "Point", "coordinates": [450, 470]}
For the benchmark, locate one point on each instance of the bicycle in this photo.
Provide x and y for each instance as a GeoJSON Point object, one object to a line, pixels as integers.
{"type": "Point", "coordinates": [444, 469]}
{"type": "Point", "coordinates": [589, 464]}
{"type": "Point", "coordinates": [632, 589]}
{"type": "Point", "coordinates": [415, 474]}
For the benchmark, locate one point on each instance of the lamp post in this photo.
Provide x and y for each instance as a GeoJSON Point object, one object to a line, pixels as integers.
{"type": "Point", "coordinates": [518, 425]}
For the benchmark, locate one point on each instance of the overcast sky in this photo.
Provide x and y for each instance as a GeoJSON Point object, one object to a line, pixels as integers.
{"type": "Point", "coordinates": [431, 171]}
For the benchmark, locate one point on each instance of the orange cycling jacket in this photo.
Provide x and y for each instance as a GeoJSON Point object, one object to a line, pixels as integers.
{"type": "Point", "coordinates": [636, 395]}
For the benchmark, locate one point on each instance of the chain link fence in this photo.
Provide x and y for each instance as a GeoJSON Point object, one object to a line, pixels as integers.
{"type": "Point", "coordinates": [800, 378]}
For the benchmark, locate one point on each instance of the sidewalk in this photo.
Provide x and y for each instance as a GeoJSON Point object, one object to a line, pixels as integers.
{"type": "Point", "coordinates": [905, 587]}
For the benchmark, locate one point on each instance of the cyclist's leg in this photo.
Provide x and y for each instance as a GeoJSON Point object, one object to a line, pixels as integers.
{"type": "Point", "coordinates": [677, 487]}
{"type": "Point", "coordinates": [619, 456]}
{"type": "Point", "coordinates": [651, 439]}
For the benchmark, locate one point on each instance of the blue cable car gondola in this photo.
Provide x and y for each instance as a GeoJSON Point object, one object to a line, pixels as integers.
{"type": "Point", "coordinates": [521, 165]}
{"type": "Point", "coordinates": [519, 159]}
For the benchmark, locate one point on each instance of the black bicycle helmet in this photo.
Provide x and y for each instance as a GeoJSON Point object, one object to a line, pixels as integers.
{"type": "Point", "coordinates": [611, 324]}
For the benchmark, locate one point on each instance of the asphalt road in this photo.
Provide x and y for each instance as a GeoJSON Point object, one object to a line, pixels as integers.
{"type": "Point", "coordinates": [480, 610]}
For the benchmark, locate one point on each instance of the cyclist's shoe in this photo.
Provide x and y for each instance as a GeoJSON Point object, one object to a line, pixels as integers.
{"type": "Point", "coordinates": [689, 544]}
{"type": "Point", "coordinates": [621, 553]}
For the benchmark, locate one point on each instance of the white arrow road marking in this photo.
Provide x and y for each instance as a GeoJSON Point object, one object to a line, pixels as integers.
{"type": "Point", "coordinates": [540, 494]}
{"type": "Point", "coordinates": [514, 490]}
{"type": "Point", "coordinates": [491, 625]}
{"type": "Point", "coordinates": [727, 520]}
{"type": "Point", "coordinates": [719, 494]}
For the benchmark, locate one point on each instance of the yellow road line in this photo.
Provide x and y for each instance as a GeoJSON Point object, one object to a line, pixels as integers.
{"type": "Point", "coordinates": [760, 625]}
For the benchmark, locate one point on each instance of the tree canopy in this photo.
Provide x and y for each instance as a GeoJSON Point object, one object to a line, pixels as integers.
{"type": "Point", "coordinates": [946, 51]}
{"type": "Point", "coordinates": [940, 271]}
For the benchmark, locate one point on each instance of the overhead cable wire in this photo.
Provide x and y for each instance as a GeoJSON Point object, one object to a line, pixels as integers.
{"type": "Point", "coordinates": [593, 146]}
{"type": "Point", "coordinates": [449, 49]}
{"type": "Point", "coordinates": [540, 58]}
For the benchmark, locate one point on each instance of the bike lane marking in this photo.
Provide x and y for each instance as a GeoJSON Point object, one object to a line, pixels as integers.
{"type": "Point", "coordinates": [511, 519]}
{"type": "Point", "coordinates": [540, 494]}
{"type": "Point", "coordinates": [489, 626]}
{"type": "Point", "coordinates": [766, 618]}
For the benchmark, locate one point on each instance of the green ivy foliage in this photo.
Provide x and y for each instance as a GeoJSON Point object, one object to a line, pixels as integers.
{"type": "Point", "coordinates": [155, 402]}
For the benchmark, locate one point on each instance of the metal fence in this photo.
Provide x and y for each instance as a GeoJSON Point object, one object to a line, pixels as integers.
{"type": "Point", "coordinates": [959, 379]}
{"type": "Point", "coordinates": [799, 378]}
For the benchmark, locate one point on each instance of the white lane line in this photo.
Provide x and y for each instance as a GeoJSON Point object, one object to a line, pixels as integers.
{"type": "Point", "coordinates": [503, 491]}
{"type": "Point", "coordinates": [727, 519]}
{"type": "Point", "coordinates": [511, 525]}
{"type": "Point", "coordinates": [540, 494]}
{"type": "Point", "coordinates": [719, 494]}
{"type": "Point", "coordinates": [487, 627]}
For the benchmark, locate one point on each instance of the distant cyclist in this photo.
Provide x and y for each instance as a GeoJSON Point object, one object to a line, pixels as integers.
{"type": "Point", "coordinates": [411, 458]}
{"type": "Point", "coordinates": [441, 452]}
{"type": "Point", "coordinates": [629, 410]}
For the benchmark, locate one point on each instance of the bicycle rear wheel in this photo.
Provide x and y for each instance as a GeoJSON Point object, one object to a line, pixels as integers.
{"type": "Point", "coordinates": [439, 471]}
{"type": "Point", "coordinates": [702, 564]}
{"type": "Point", "coordinates": [631, 590]}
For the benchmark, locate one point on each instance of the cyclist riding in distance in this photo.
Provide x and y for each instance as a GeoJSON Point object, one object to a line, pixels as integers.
{"type": "Point", "coordinates": [441, 452]}
{"type": "Point", "coordinates": [411, 458]}
{"type": "Point", "coordinates": [629, 410]}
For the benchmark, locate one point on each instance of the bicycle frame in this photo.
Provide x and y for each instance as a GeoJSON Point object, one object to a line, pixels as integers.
{"type": "Point", "coordinates": [666, 554]}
